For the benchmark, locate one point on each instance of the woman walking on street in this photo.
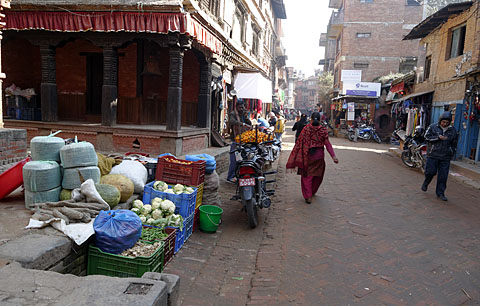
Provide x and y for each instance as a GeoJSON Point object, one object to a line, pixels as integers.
{"type": "Point", "coordinates": [309, 157]}
{"type": "Point", "coordinates": [299, 125]}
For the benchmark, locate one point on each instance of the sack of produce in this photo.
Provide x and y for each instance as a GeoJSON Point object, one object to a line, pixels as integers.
{"type": "Point", "coordinates": [123, 183]}
{"type": "Point", "coordinates": [116, 230]}
{"type": "Point", "coordinates": [46, 147]}
{"type": "Point", "coordinates": [81, 154]}
{"type": "Point", "coordinates": [41, 175]}
{"type": "Point", "coordinates": [135, 171]}
{"type": "Point", "coordinates": [32, 197]}
{"type": "Point", "coordinates": [72, 179]}
{"type": "Point", "coordinates": [109, 194]}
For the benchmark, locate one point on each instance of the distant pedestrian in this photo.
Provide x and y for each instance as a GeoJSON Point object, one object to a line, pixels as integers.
{"type": "Point", "coordinates": [442, 143]}
{"type": "Point", "coordinates": [309, 157]}
{"type": "Point", "coordinates": [299, 125]}
{"type": "Point", "coordinates": [272, 119]}
{"type": "Point", "coordinates": [279, 127]}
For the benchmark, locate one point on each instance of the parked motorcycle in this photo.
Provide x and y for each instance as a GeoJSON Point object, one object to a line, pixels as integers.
{"type": "Point", "coordinates": [414, 153]}
{"type": "Point", "coordinates": [251, 181]}
{"type": "Point", "coordinates": [365, 132]}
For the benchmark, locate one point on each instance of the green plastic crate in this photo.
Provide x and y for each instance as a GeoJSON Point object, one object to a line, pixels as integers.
{"type": "Point", "coordinates": [121, 266]}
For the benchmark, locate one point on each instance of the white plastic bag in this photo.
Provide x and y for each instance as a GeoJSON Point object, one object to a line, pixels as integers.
{"type": "Point", "coordinates": [135, 171]}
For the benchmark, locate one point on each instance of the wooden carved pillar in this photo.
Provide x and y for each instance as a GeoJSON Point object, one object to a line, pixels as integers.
{"type": "Point", "coordinates": [110, 86]}
{"type": "Point", "coordinates": [204, 102]}
{"type": "Point", "coordinates": [48, 86]}
{"type": "Point", "coordinates": [174, 100]}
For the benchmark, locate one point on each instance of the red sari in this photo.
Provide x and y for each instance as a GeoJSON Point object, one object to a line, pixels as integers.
{"type": "Point", "coordinates": [308, 157]}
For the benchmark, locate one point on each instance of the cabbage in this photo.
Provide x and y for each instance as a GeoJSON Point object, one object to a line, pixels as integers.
{"type": "Point", "coordinates": [146, 209]}
{"type": "Point", "coordinates": [137, 204]}
{"type": "Point", "coordinates": [178, 188]}
{"type": "Point", "coordinates": [157, 214]}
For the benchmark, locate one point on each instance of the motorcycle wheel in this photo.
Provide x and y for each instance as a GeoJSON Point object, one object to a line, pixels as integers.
{"type": "Point", "coordinates": [377, 138]}
{"type": "Point", "coordinates": [251, 207]}
{"type": "Point", "coordinates": [407, 160]}
{"type": "Point", "coordinates": [351, 136]}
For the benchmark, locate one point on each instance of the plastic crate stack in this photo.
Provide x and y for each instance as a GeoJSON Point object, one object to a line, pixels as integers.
{"type": "Point", "coordinates": [173, 171]}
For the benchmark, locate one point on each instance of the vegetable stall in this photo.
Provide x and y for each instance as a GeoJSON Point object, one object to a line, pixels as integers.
{"type": "Point", "coordinates": [140, 210]}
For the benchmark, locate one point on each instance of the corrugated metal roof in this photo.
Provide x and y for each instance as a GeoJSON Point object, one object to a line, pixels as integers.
{"type": "Point", "coordinates": [432, 22]}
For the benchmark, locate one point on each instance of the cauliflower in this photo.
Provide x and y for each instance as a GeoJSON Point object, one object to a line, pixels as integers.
{"type": "Point", "coordinates": [138, 204]}
{"type": "Point", "coordinates": [156, 203]}
{"type": "Point", "coordinates": [143, 218]}
{"type": "Point", "coordinates": [136, 210]}
{"type": "Point", "coordinates": [146, 209]}
{"type": "Point", "coordinates": [150, 221]}
{"type": "Point", "coordinates": [169, 191]}
{"type": "Point", "coordinates": [168, 207]}
{"type": "Point", "coordinates": [189, 190]}
{"type": "Point", "coordinates": [157, 214]}
{"type": "Point", "coordinates": [159, 185]}
{"type": "Point", "coordinates": [178, 189]}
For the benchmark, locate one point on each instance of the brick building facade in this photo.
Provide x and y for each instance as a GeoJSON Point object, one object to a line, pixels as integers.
{"type": "Point", "coordinates": [367, 36]}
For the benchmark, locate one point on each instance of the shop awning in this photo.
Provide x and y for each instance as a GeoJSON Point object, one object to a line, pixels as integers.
{"type": "Point", "coordinates": [398, 87]}
{"type": "Point", "coordinates": [253, 86]}
{"type": "Point", "coordinates": [138, 22]}
{"type": "Point", "coordinates": [416, 94]}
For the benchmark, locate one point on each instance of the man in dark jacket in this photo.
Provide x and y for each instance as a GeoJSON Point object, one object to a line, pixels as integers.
{"type": "Point", "coordinates": [442, 142]}
{"type": "Point", "coordinates": [239, 123]}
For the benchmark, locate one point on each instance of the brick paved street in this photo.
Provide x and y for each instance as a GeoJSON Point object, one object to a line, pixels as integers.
{"type": "Point", "coordinates": [370, 237]}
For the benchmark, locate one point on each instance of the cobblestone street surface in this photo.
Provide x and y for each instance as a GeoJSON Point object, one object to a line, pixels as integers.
{"type": "Point", "coordinates": [370, 237]}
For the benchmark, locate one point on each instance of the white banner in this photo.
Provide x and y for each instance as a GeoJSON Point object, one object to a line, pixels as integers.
{"type": "Point", "coordinates": [351, 76]}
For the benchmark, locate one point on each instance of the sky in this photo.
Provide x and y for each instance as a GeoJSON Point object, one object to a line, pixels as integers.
{"type": "Point", "coordinates": [306, 19]}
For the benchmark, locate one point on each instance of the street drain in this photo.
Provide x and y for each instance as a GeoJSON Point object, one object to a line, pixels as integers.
{"type": "Point", "coordinates": [137, 288]}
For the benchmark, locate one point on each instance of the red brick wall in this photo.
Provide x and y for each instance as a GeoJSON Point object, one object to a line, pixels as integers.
{"type": "Point", "coordinates": [388, 21]}
{"type": "Point", "coordinates": [123, 143]}
{"type": "Point", "coordinates": [192, 144]}
{"type": "Point", "coordinates": [71, 66]}
{"type": "Point", "coordinates": [191, 77]}
{"type": "Point", "coordinates": [21, 63]}
{"type": "Point", "coordinates": [127, 71]}
{"type": "Point", "coordinates": [13, 145]}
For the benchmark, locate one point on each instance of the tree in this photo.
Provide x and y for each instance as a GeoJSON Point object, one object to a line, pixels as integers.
{"type": "Point", "coordinates": [325, 85]}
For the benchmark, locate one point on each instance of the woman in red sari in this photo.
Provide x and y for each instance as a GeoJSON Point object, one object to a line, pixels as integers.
{"type": "Point", "coordinates": [308, 156]}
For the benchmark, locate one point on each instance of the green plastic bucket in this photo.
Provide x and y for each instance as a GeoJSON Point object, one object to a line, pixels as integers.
{"type": "Point", "coordinates": [210, 218]}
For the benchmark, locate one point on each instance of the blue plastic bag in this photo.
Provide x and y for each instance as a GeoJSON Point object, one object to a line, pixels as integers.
{"type": "Point", "coordinates": [211, 163]}
{"type": "Point", "coordinates": [117, 230]}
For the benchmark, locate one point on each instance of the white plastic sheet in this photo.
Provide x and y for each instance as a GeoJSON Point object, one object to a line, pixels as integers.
{"type": "Point", "coordinates": [253, 86]}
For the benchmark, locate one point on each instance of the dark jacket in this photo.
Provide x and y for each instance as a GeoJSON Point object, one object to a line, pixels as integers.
{"type": "Point", "coordinates": [298, 127]}
{"type": "Point", "coordinates": [437, 148]}
{"type": "Point", "coordinates": [236, 121]}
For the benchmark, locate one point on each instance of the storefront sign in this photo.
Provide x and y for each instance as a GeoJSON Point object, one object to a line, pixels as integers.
{"type": "Point", "coordinates": [362, 89]}
{"type": "Point", "coordinates": [332, 106]}
{"type": "Point", "coordinates": [351, 76]}
{"type": "Point", "coordinates": [351, 111]}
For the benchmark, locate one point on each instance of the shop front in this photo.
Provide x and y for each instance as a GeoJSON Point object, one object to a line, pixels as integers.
{"type": "Point", "coordinates": [113, 79]}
